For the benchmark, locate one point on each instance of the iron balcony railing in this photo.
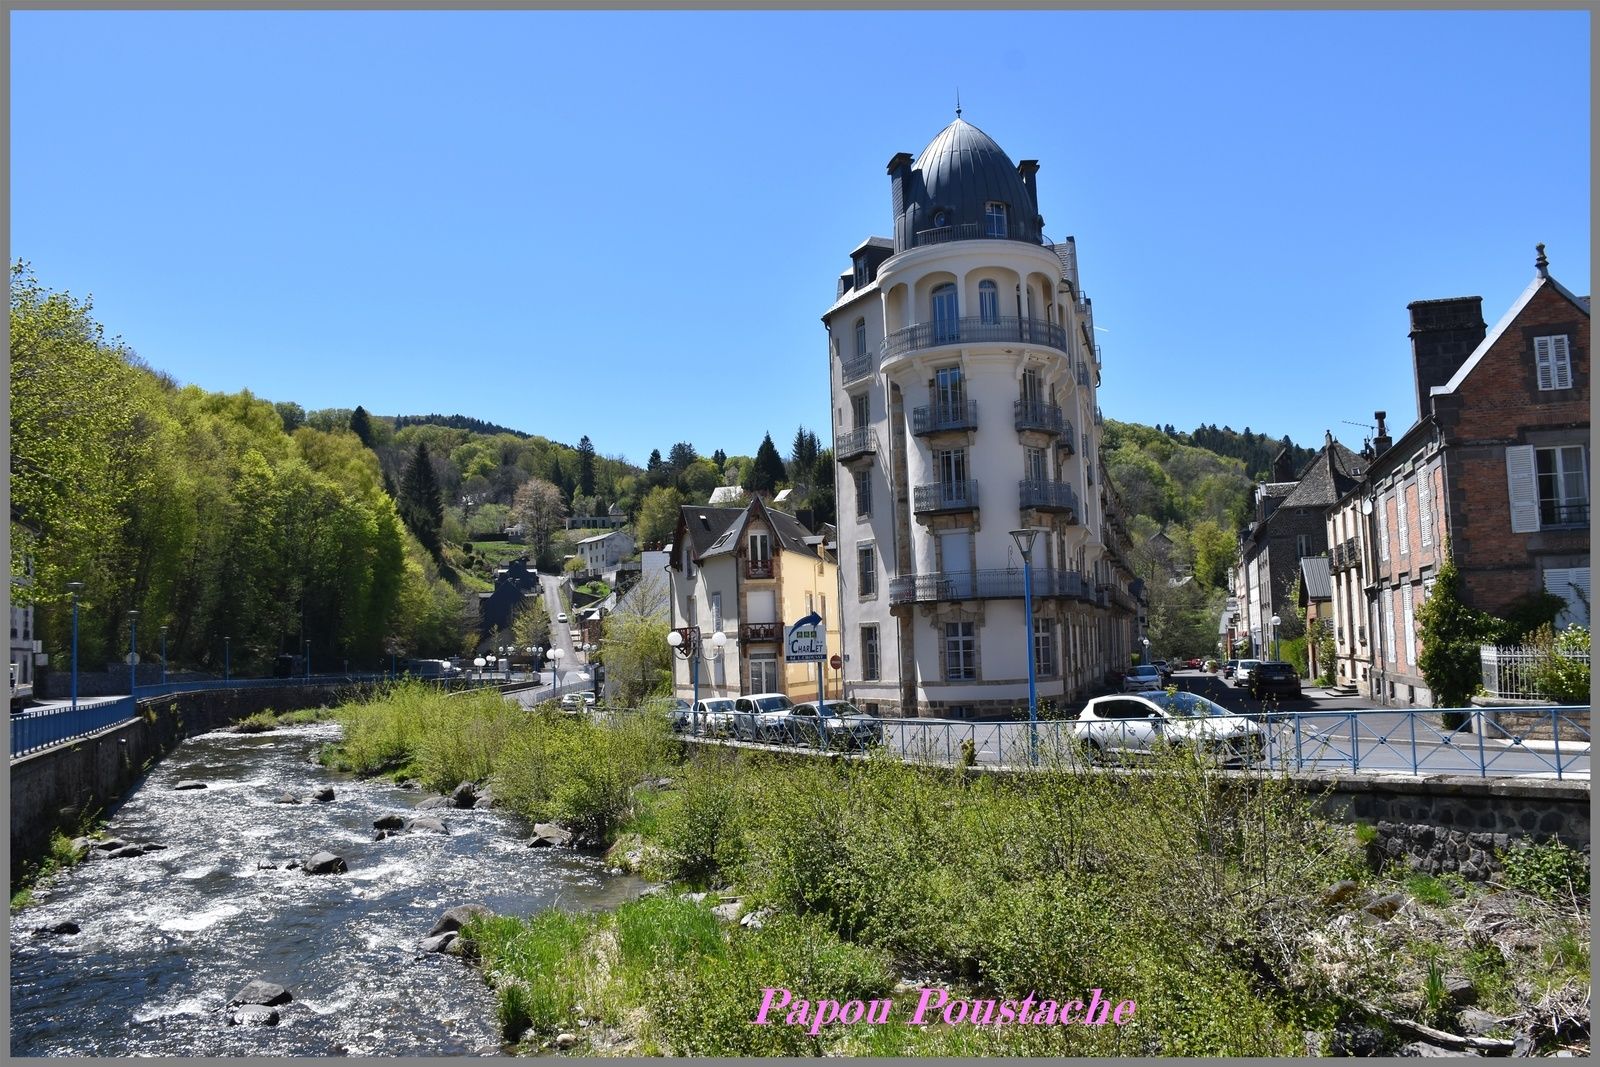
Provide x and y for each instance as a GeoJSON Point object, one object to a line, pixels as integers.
{"type": "Point", "coordinates": [853, 444]}
{"type": "Point", "coordinates": [758, 568]}
{"type": "Point", "coordinates": [1068, 442]}
{"type": "Point", "coordinates": [1553, 514]}
{"type": "Point", "coordinates": [1039, 415]}
{"type": "Point", "coordinates": [945, 496]}
{"type": "Point", "coordinates": [974, 331]}
{"type": "Point", "coordinates": [855, 369]}
{"type": "Point", "coordinates": [1083, 373]}
{"type": "Point", "coordinates": [966, 231]}
{"type": "Point", "coordinates": [760, 631]}
{"type": "Point", "coordinates": [1099, 419]}
{"type": "Point", "coordinates": [939, 418]}
{"type": "Point", "coordinates": [1045, 495]}
{"type": "Point", "coordinates": [986, 584]}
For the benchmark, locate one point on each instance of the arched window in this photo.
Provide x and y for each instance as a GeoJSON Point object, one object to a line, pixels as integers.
{"type": "Point", "coordinates": [946, 315]}
{"type": "Point", "coordinates": [861, 337]}
{"type": "Point", "coordinates": [988, 302]}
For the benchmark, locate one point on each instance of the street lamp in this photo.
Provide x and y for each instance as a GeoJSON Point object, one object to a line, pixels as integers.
{"type": "Point", "coordinates": [75, 588]}
{"type": "Point", "coordinates": [686, 643]}
{"type": "Point", "coordinates": [133, 650]}
{"type": "Point", "coordinates": [556, 656]}
{"type": "Point", "coordinates": [1024, 539]}
{"type": "Point", "coordinates": [163, 655]}
{"type": "Point", "coordinates": [1275, 621]}
{"type": "Point", "coordinates": [594, 675]}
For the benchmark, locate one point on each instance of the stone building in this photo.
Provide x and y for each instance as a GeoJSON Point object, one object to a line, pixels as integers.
{"type": "Point", "coordinates": [964, 368]}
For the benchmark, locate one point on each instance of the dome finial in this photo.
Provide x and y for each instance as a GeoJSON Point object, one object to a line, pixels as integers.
{"type": "Point", "coordinates": [958, 101]}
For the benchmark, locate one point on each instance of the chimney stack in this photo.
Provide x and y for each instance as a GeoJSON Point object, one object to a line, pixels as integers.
{"type": "Point", "coordinates": [899, 171]}
{"type": "Point", "coordinates": [1028, 169]}
{"type": "Point", "coordinates": [1381, 442]}
{"type": "Point", "coordinates": [1443, 335]}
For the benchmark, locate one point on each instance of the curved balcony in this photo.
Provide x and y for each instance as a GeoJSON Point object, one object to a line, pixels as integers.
{"type": "Point", "coordinates": [999, 583]}
{"type": "Point", "coordinates": [971, 331]}
{"type": "Point", "coordinates": [1039, 415]}
{"type": "Point", "coordinates": [854, 444]}
{"type": "Point", "coordinates": [1045, 495]}
{"type": "Point", "coordinates": [943, 497]}
{"type": "Point", "coordinates": [944, 418]}
{"type": "Point", "coordinates": [1068, 442]}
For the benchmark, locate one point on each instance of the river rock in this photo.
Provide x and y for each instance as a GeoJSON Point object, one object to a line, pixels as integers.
{"type": "Point", "coordinates": [1385, 906]}
{"type": "Point", "coordinates": [153, 846]}
{"type": "Point", "coordinates": [565, 1040]}
{"type": "Point", "coordinates": [728, 912]}
{"type": "Point", "coordinates": [252, 1015]}
{"type": "Point", "coordinates": [110, 844]}
{"type": "Point", "coordinates": [125, 852]}
{"type": "Point", "coordinates": [436, 802]}
{"type": "Point", "coordinates": [262, 992]}
{"type": "Point", "coordinates": [291, 865]}
{"type": "Point", "coordinates": [1422, 1048]}
{"type": "Point", "coordinates": [65, 927]}
{"type": "Point", "coordinates": [1460, 991]}
{"type": "Point", "coordinates": [548, 833]}
{"type": "Point", "coordinates": [191, 784]}
{"type": "Point", "coordinates": [654, 891]}
{"type": "Point", "coordinates": [379, 835]}
{"type": "Point", "coordinates": [428, 825]}
{"type": "Point", "coordinates": [485, 798]}
{"type": "Point", "coordinates": [325, 863]}
{"type": "Point", "coordinates": [756, 919]}
{"type": "Point", "coordinates": [324, 794]}
{"type": "Point", "coordinates": [457, 917]}
{"type": "Point", "coordinates": [438, 942]}
{"type": "Point", "coordinates": [1479, 1023]}
{"type": "Point", "coordinates": [695, 897]}
{"type": "Point", "coordinates": [388, 822]}
{"type": "Point", "coordinates": [82, 844]}
{"type": "Point", "coordinates": [464, 795]}
{"type": "Point", "coordinates": [286, 798]}
{"type": "Point", "coordinates": [1339, 892]}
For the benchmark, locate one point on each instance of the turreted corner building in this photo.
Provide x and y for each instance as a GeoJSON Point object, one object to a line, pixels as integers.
{"type": "Point", "coordinates": [964, 371]}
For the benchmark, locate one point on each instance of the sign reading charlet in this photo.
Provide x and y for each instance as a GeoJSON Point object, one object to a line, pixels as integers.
{"type": "Point", "coordinates": [806, 641]}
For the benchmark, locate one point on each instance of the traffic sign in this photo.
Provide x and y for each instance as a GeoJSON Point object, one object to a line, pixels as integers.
{"type": "Point", "coordinates": [806, 641]}
{"type": "Point", "coordinates": [835, 661]}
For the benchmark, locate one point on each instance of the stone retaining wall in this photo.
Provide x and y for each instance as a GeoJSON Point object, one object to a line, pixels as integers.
{"type": "Point", "coordinates": [58, 787]}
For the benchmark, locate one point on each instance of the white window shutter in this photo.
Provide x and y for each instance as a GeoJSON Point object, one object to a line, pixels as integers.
{"type": "Point", "coordinates": [1544, 358]}
{"type": "Point", "coordinates": [1388, 626]}
{"type": "Point", "coordinates": [1383, 528]}
{"type": "Point", "coordinates": [1523, 489]}
{"type": "Point", "coordinates": [1404, 524]}
{"type": "Point", "coordinates": [1572, 585]}
{"type": "Point", "coordinates": [1409, 635]}
{"type": "Point", "coordinates": [1560, 363]}
{"type": "Point", "coordinates": [1425, 506]}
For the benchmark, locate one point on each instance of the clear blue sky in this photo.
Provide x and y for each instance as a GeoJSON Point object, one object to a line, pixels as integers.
{"type": "Point", "coordinates": [627, 224]}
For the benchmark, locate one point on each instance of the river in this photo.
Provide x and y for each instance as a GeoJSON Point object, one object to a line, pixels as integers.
{"type": "Point", "coordinates": [168, 937]}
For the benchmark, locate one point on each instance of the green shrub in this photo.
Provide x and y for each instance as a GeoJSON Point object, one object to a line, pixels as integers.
{"type": "Point", "coordinates": [536, 967]}
{"type": "Point", "coordinates": [1429, 890]}
{"type": "Point", "coordinates": [1559, 675]}
{"type": "Point", "coordinates": [1552, 870]}
{"type": "Point", "coordinates": [700, 819]}
{"type": "Point", "coordinates": [259, 723]}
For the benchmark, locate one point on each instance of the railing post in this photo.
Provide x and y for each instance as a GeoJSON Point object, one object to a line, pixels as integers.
{"type": "Point", "coordinates": [1555, 735]}
{"type": "Point", "coordinates": [1411, 718]}
{"type": "Point", "coordinates": [1483, 766]}
{"type": "Point", "coordinates": [1355, 745]}
{"type": "Point", "coordinates": [1299, 762]}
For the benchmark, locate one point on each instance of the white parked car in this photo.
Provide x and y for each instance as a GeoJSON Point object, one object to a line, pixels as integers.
{"type": "Point", "coordinates": [716, 716]}
{"type": "Point", "coordinates": [752, 713]}
{"type": "Point", "coordinates": [1139, 724]}
{"type": "Point", "coordinates": [561, 617]}
{"type": "Point", "coordinates": [1241, 673]}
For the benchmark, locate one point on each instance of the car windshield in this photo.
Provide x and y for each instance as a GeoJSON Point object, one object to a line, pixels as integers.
{"type": "Point", "coordinates": [716, 705]}
{"type": "Point", "coordinates": [778, 703]}
{"type": "Point", "coordinates": [1146, 671]}
{"type": "Point", "coordinates": [1187, 705]}
{"type": "Point", "coordinates": [1251, 663]}
{"type": "Point", "coordinates": [841, 708]}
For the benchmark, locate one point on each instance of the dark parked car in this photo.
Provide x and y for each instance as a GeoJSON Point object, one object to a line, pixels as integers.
{"type": "Point", "coordinates": [1229, 667]}
{"type": "Point", "coordinates": [1274, 676]}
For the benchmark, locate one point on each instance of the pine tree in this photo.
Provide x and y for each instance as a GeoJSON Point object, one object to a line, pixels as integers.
{"type": "Point", "coordinates": [767, 470]}
{"type": "Point", "coordinates": [361, 425]}
{"type": "Point", "coordinates": [586, 466]}
{"type": "Point", "coordinates": [1450, 633]}
{"type": "Point", "coordinates": [720, 458]}
{"type": "Point", "coordinates": [421, 505]}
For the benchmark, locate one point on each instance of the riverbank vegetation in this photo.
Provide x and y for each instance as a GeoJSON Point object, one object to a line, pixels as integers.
{"type": "Point", "coordinates": [1238, 920]}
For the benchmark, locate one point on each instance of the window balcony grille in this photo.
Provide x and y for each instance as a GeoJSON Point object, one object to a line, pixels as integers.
{"type": "Point", "coordinates": [854, 444]}
{"type": "Point", "coordinates": [758, 568]}
{"type": "Point", "coordinates": [966, 331]}
{"type": "Point", "coordinates": [945, 497]}
{"type": "Point", "coordinates": [943, 418]}
{"type": "Point", "coordinates": [1045, 495]}
{"type": "Point", "coordinates": [760, 631]}
{"type": "Point", "coordinates": [1039, 415]}
{"type": "Point", "coordinates": [997, 583]}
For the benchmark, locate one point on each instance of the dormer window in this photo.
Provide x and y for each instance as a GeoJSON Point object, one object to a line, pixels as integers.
{"type": "Point", "coordinates": [941, 217]}
{"type": "Point", "coordinates": [995, 222]}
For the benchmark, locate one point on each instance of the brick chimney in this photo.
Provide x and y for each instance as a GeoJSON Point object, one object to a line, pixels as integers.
{"type": "Point", "coordinates": [899, 173]}
{"type": "Point", "coordinates": [1443, 335]}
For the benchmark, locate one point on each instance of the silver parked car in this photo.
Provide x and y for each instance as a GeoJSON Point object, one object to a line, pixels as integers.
{"type": "Point", "coordinates": [837, 724]}
{"type": "Point", "coordinates": [1145, 677]}
{"type": "Point", "coordinates": [1140, 724]}
{"type": "Point", "coordinates": [716, 716]}
{"type": "Point", "coordinates": [751, 713]}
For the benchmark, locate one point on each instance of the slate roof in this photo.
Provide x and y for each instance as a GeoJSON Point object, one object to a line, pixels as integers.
{"type": "Point", "coordinates": [703, 525]}
{"type": "Point", "coordinates": [1315, 579]}
{"type": "Point", "coordinates": [1500, 327]}
{"type": "Point", "coordinates": [717, 531]}
{"type": "Point", "coordinates": [1331, 475]}
{"type": "Point", "coordinates": [960, 171]}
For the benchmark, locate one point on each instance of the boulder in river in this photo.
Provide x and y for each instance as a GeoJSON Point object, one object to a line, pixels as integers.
{"type": "Point", "coordinates": [728, 912]}
{"type": "Point", "coordinates": [110, 844]}
{"type": "Point", "coordinates": [325, 863]}
{"type": "Point", "coordinates": [286, 798]}
{"type": "Point", "coordinates": [436, 802]}
{"type": "Point", "coordinates": [190, 784]}
{"type": "Point", "coordinates": [438, 942]}
{"type": "Point", "coordinates": [126, 851]}
{"type": "Point", "coordinates": [379, 835]}
{"type": "Point", "coordinates": [324, 794]}
{"type": "Point", "coordinates": [464, 795]}
{"type": "Point", "coordinates": [65, 927]}
{"type": "Point", "coordinates": [457, 917]}
{"type": "Point", "coordinates": [485, 799]}
{"type": "Point", "coordinates": [428, 825]}
{"type": "Point", "coordinates": [548, 833]}
{"type": "Point", "coordinates": [252, 1015]}
{"type": "Point", "coordinates": [261, 991]}
{"type": "Point", "coordinates": [388, 822]}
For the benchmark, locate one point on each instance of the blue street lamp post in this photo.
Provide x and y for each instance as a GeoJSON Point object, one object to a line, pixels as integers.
{"type": "Point", "coordinates": [75, 588]}
{"type": "Point", "coordinates": [1024, 540]}
{"type": "Point", "coordinates": [133, 651]}
{"type": "Point", "coordinates": [687, 644]}
{"type": "Point", "coordinates": [163, 655]}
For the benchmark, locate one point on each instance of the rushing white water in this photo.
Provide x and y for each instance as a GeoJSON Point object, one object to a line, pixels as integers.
{"type": "Point", "coordinates": [166, 938]}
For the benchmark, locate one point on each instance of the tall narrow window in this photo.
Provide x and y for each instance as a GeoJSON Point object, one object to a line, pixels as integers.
{"type": "Point", "coordinates": [866, 571]}
{"type": "Point", "coordinates": [871, 658]}
{"type": "Point", "coordinates": [952, 466]}
{"type": "Point", "coordinates": [994, 220]}
{"type": "Point", "coordinates": [1032, 389]}
{"type": "Point", "coordinates": [760, 547]}
{"type": "Point", "coordinates": [946, 315]}
{"type": "Point", "coordinates": [1034, 468]}
{"type": "Point", "coordinates": [858, 412]}
{"type": "Point", "coordinates": [1403, 525]}
{"type": "Point", "coordinates": [950, 392]}
{"type": "Point", "coordinates": [988, 302]}
{"type": "Point", "coordinates": [1425, 507]}
{"type": "Point", "coordinates": [1044, 648]}
{"type": "Point", "coordinates": [863, 494]}
{"type": "Point", "coordinates": [1563, 486]}
{"type": "Point", "coordinates": [960, 651]}
{"type": "Point", "coordinates": [861, 338]}
{"type": "Point", "coordinates": [1554, 362]}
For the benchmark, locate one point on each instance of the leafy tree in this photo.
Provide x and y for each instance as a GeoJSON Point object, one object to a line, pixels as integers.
{"type": "Point", "coordinates": [421, 505]}
{"type": "Point", "coordinates": [1451, 633]}
{"type": "Point", "coordinates": [586, 466]}
{"type": "Point", "coordinates": [361, 425]}
{"type": "Point", "coordinates": [699, 480]}
{"type": "Point", "coordinates": [292, 414]}
{"type": "Point", "coordinates": [539, 507]}
{"type": "Point", "coordinates": [681, 456]}
{"type": "Point", "coordinates": [531, 625]}
{"type": "Point", "coordinates": [767, 472]}
{"type": "Point", "coordinates": [658, 515]}
{"type": "Point", "coordinates": [634, 643]}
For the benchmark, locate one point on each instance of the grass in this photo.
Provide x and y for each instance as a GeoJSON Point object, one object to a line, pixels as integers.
{"type": "Point", "coordinates": [259, 723]}
{"type": "Point", "coordinates": [1429, 890]}
{"type": "Point", "coordinates": [58, 855]}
